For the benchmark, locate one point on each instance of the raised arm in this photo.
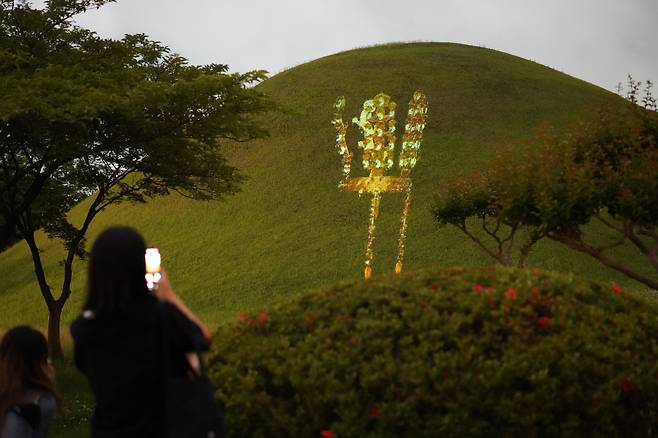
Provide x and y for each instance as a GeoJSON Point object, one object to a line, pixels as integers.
{"type": "Point", "coordinates": [166, 293]}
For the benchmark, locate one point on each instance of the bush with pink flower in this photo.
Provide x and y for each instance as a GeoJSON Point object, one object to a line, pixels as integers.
{"type": "Point", "coordinates": [454, 352]}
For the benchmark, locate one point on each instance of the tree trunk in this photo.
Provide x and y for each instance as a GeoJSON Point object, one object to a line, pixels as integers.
{"type": "Point", "coordinates": [54, 340]}
{"type": "Point", "coordinates": [54, 306]}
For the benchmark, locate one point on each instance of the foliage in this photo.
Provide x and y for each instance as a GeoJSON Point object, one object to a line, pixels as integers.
{"type": "Point", "coordinates": [290, 228]}
{"type": "Point", "coordinates": [463, 201]}
{"type": "Point", "coordinates": [632, 93]}
{"type": "Point", "coordinates": [447, 353]}
{"type": "Point", "coordinates": [115, 120]}
{"type": "Point", "coordinates": [555, 185]}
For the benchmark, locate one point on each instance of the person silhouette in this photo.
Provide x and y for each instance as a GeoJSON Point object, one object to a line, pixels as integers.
{"type": "Point", "coordinates": [28, 394]}
{"type": "Point", "coordinates": [118, 338]}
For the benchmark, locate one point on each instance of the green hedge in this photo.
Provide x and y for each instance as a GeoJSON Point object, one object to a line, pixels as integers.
{"type": "Point", "coordinates": [489, 352]}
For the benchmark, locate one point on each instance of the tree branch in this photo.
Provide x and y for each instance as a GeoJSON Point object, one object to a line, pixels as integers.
{"type": "Point", "coordinates": [650, 253]}
{"type": "Point", "coordinates": [494, 233]}
{"type": "Point", "coordinates": [574, 242]}
{"type": "Point", "coordinates": [74, 247]}
{"type": "Point", "coordinates": [46, 292]}
{"type": "Point", "coordinates": [527, 246]}
{"type": "Point", "coordinates": [478, 242]}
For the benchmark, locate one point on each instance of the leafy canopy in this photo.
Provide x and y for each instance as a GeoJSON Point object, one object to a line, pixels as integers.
{"type": "Point", "coordinates": [117, 120]}
{"type": "Point", "coordinates": [79, 113]}
{"type": "Point", "coordinates": [604, 171]}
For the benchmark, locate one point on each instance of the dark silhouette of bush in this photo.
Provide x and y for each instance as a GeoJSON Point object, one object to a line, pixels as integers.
{"type": "Point", "coordinates": [455, 352]}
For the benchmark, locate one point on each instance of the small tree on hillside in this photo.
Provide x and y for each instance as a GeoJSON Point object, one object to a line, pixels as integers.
{"type": "Point", "coordinates": [471, 205]}
{"type": "Point", "coordinates": [82, 116]}
{"type": "Point", "coordinates": [605, 171]}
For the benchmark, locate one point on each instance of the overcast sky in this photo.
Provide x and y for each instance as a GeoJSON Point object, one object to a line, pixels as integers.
{"type": "Point", "coordinates": [600, 41]}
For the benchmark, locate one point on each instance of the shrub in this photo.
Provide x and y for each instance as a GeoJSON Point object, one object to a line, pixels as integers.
{"type": "Point", "coordinates": [454, 352]}
{"type": "Point", "coordinates": [603, 173]}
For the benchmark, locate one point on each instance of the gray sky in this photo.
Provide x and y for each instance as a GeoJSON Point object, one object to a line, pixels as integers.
{"type": "Point", "coordinates": [600, 41]}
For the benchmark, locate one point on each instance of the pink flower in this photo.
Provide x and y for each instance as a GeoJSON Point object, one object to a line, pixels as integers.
{"type": "Point", "coordinates": [478, 288]}
{"type": "Point", "coordinates": [535, 295]}
{"type": "Point", "coordinates": [544, 322]}
{"type": "Point", "coordinates": [536, 271]}
{"type": "Point", "coordinates": [375, 412]}
{"type": "Point", "coordinates": [327, 434]}
{"type": "Point", "coordinates": [627, 386]}
{"type": "Point", "coordinates": [262, 316]}
{"type": "Point", "coordinates": [309, 320]}
{"type": "Point", "coordinates": [511, 294]}
{"type": "Point", "coordinates": [242, 316]}
{"type": "Point", "coordinates": [616, 289]}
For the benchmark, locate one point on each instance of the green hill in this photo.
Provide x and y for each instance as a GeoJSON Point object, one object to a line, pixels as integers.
{"type": "Point", "coordinates": [290, 228]}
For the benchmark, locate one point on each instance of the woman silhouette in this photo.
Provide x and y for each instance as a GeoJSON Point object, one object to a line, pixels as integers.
{"type": "Point", "coordinates": [28, 396]}
{"type": "Point", "coordinates": [118, 342]}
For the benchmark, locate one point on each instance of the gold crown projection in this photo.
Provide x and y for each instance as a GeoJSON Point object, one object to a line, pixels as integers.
{"type": "Point", "coordinates": [377, 123]}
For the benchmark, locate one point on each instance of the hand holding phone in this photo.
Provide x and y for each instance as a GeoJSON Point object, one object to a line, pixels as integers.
{"type": "Point", "coordinates": [153, 260]}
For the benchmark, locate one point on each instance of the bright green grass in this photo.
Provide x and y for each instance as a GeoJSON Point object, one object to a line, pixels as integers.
{"type": "Point", "coordinates": [291, 229]}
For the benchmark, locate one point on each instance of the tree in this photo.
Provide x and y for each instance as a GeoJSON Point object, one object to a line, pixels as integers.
{"type": "Point", "coordinates": [112, 120]}
{"type": "Point", "coordinates": [604, 171]}
{"type": "Point", "coordinates": [472, 205]}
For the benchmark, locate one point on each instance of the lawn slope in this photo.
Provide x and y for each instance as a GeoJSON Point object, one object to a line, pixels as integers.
{"type": "Point", "coordinates": [290, 228]}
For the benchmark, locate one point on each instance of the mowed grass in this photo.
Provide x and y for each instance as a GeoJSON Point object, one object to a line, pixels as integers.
{"type": "Point", "coordinates": [72, 419]}
{"type": "Point", "coordinates": [291, 229]}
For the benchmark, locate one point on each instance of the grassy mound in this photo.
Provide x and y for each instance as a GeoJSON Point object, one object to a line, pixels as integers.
{"type": "Point", "coordinates": [291, 229]}
{"type": "Point", "coordinates": [447, 353]}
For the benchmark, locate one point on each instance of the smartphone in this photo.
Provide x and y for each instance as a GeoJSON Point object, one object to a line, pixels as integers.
{"type": "Point", "coordinates": [153, 260]}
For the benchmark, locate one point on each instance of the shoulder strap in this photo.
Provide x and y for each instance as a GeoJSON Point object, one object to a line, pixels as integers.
{"type": "Point", "coordinates": [30, 412]}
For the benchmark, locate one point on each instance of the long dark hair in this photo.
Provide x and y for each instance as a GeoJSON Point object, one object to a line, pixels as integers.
{"type": "Point", "coordinates": [116, 273]}
{"type": "Point", "coordinates": [23, 367]}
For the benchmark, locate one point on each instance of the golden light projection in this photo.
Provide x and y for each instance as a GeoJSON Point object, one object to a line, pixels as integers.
{"type": "Point", "coordinates": [377, 123]}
